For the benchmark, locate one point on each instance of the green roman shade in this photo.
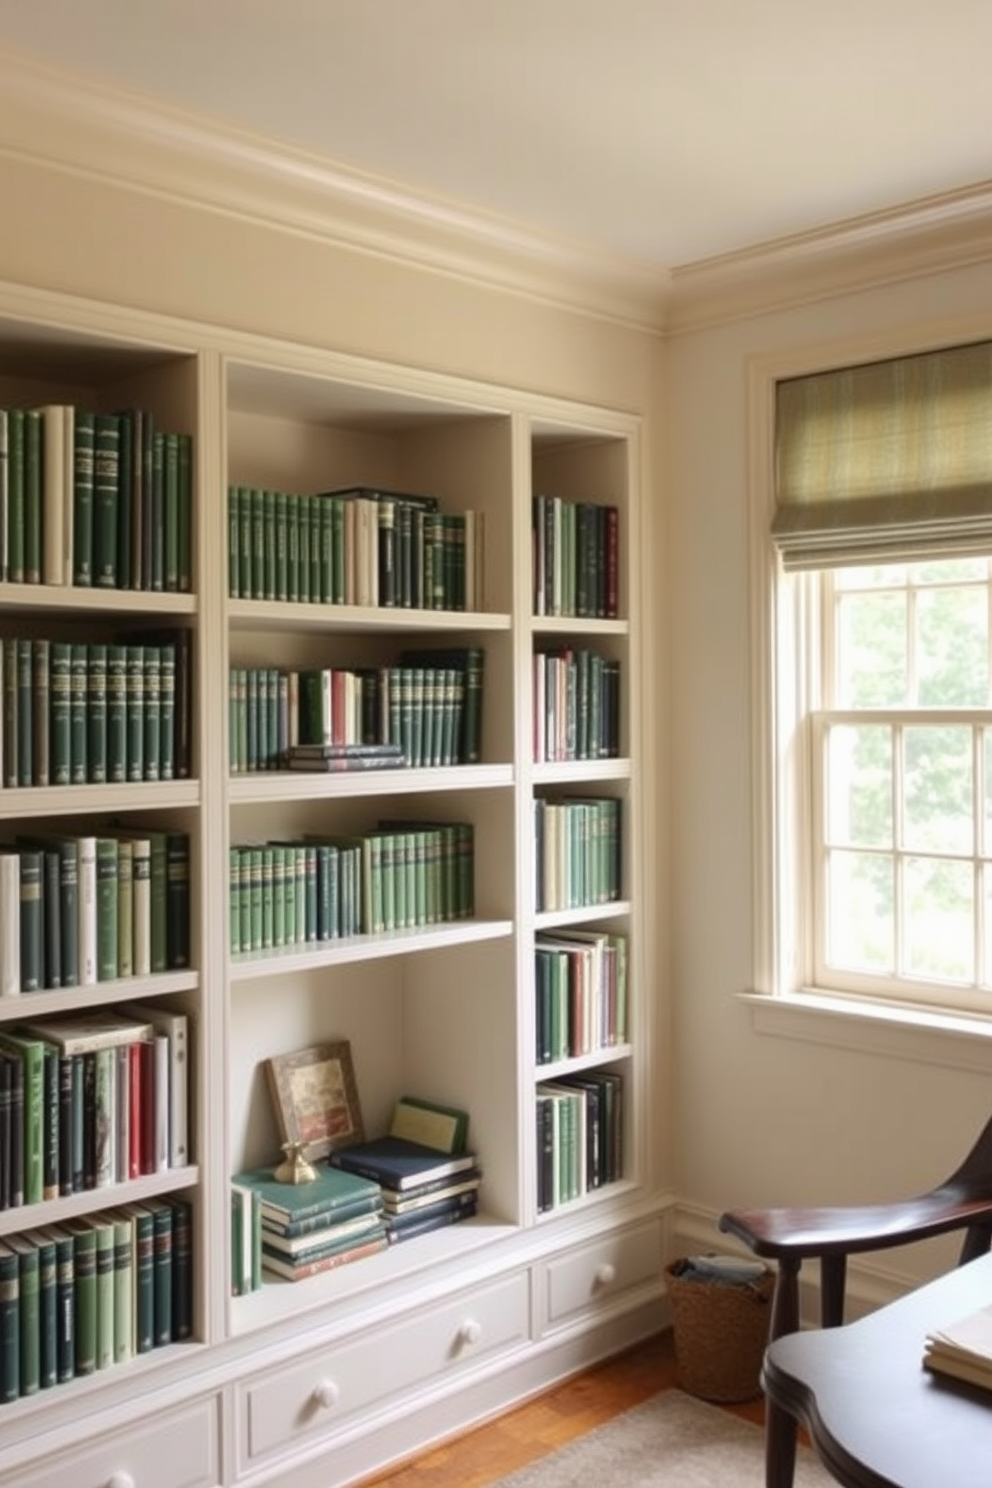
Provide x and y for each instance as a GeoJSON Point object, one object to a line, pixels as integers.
{"type": "Point", "coordinates": [886, 461]}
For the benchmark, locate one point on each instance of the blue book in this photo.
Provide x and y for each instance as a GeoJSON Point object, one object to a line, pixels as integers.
{"type": "Point", "coordinates": [398, 1163]}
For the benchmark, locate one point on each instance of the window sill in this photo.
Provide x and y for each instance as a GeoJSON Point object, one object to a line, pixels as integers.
{"type": "Point", "coordinates": [961, 1042]}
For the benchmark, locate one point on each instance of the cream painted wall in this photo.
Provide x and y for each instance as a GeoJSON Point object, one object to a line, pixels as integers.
{"type": "Point", "coordinates": [761, 1118]}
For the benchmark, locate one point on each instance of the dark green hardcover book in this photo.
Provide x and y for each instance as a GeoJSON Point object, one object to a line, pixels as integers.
{"type": "Point", "coordinates": [5, 1073]}
{"type": "Point", "coordinates": [177, 943]}
{"type": "Point", "coordinates": [60, 761]}
{"type": "Point", "coordinates": [280, 525]}
{"type": "Point", "coordinates": [32, 919]}
{"type": "Point", "coordinates": [103, 1225]}
{"type": "Point", "coordinates": [170, 518]}
{"type": "Point", "coordinates": [78, 688]}
{"type": "Point", "coordinates": [10, 1324]}
{"type": "Point", "coordinates": [155, 546]}
{"type": "Point", "coordinates": [125, 907]}
{"type": "Point", "coordinates": [182, 1268]}
{"type": "Point", "coordinates": [123, 1286]}
{"type": "Point", "coordinates": [25, 715]}
{"type": "Point", "coordinates": [68, 850]}
{"type": "Point", "coordinates": [116, 731]}
{"type": "Point", "coordinates": [162, 1218]}
{"type": "Point", "coordinates": [129, 455]}
{"type": "Point", "coordinates": [106, 476]}
{"type": "Point", "coordinates": [14, 1133]}
{"type": "Point", "coordinates": [84, 439]}
{"type": "Point", "coordinates": [65, 1302]}
{"type": "Point", "coordinates": [185, 577]}
{"type": "Point", "coordinates": [152, 712]}
{"type": "Point", "coordinates": [15, 495]}
{"type": "Point", "coordinates": [30, 1314]}
{"type": "Point", "coordinates": [144, 433]}
{"type": "Point", "coordinates": [90, 1133]}
{"type": "Point", "coordinates": [271, 544]}
{"type": "Point", "coordinates": [158, 901]}
{"type": "Point", "coordinates": [66, 1117]}
{"type": "Point", "coordinates": [41, 692]}
{"type": "Point", "coordinates": [292, 502]}
{"type": "Point", "coordinates": [135, 754]}
{"type": "Point", "coordinates": [52, 1134]}
{"type": "Point", "coordinates": [167, 711]}
{"type": "Point", "coordinates": [8, 738]}
{"type": "Point", "coordinates": [246, 544]}
{"type": "Point", "coordinates": [85, 1306]}
{"type": "Point", "coordinates": [78, 1122]}
{"type": "Point", "coordinates": [48, 1362]}
{"type": "Point", "coordinates": [3, 495]}
{"type": "Point", "coordinates": [96, 714]}
{"type": "Point", "coordinates": [33, 432]}
{"type": "Point", "coordinates": [234, 542]}
{"type": "Point", "coordinates": [106, 909]}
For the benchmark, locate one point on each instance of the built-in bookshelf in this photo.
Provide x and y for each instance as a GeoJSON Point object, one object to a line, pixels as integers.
{"type": "Point", "coordinates": [378, 721]}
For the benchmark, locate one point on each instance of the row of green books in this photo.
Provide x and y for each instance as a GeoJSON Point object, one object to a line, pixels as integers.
{"type": "Point", "coordinates": [579, 1136]}
{"type": "Point", "coordinates": [576, 696]}
{"type": "Point", "coordinates": [90, 1293]}
{"type": "Point", "coordinates": [360, 546]}
{"type": "Point", "coordinates": [396, 877]}
{"type": "Point", "coordinates": [578, 851]}
{"type": "Point", "coordinates": [430, 706]}
{"type": "Point", "coordinates": [78, 713]}
{"type": "Point", "coordinates": [91, 1100]}
{"type": "Point", "coordinates": [79, 910]}
{"type": "Point", "coordinates": [580, 980]}
{"type": "Point", "coordinates": [576, 557]}
{"type": "Point", "coordinates": [100, 500]}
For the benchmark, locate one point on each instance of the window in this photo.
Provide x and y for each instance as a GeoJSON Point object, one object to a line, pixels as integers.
{"type": "Point", "coordinates": [876, 857]}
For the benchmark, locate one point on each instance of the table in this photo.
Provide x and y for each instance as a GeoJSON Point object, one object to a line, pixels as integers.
{"type": "Point", "coordinates": [876, 1418]}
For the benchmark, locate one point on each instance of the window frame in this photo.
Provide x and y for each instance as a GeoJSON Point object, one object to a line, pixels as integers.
{"type": "Point", "coordinates": [784, 627]}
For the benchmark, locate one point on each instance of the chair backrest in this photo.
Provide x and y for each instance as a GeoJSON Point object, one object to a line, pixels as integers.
{"type": "Point", "coordinates": [974, 1175]}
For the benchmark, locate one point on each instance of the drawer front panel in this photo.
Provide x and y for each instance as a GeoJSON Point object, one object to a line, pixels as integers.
{"type": "Point", "coordinates": [593, 1275]}
{"type": "Point", "coordinates": [172, 1449]}
{"type": "Point", "coordinates": [309, 1398]}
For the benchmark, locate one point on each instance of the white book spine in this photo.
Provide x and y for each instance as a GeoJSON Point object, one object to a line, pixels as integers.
{"type": "Point", "coordinates": [141, 895]}
{"type": "Point", "coordinates": [162, 1102]}
{"type": "Point", "coordinates": [87, 911]}
{"type": "Point", "coordinates": [10, 924]}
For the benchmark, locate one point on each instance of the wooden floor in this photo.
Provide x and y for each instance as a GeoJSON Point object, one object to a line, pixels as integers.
{"type": "Point", "coordinates": [489, 1452]}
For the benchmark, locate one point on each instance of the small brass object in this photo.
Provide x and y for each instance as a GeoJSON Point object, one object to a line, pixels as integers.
{"type": "Point", "coordinates": [295, 1168]}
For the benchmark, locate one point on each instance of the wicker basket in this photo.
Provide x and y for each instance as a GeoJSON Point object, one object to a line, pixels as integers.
{"type": "Point", "coordinates": [720, 1332]}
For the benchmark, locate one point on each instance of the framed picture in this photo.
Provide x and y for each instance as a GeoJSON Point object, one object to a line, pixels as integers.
{"type": "Point", "coordinates": [316, 1098]}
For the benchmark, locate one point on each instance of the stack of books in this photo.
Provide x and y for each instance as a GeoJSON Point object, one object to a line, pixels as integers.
{"type": "Point", "coordinates": [422, 1187]}
{"type": "Point", "coordinates": [307, 1228]}
{"type": "Point", "coordinates": [963, 1349]}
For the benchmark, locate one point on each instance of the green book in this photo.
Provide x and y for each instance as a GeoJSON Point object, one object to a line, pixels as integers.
{"type": "Point", "coordinates": [68, 851]}
{"type": "Point", "coordinates": [96, 714]}
{"type": "Point", "coordinates": [135, 729]}
{"type": "Point", "coordinates": [106, 909]}
{"type": "Point", "coordinates": [32, 910]}
{"type": "Point", "coordinates": [125, 907]}
{"type": "Point", "coordinates": [128, 460]}
{"type": "Point", "coordinates": [103, 1225]}
{"type": "Point", "coordinates": [144, 438]}
{"type": "Point", "coordinates": [60, 762]}
{"type": "Point", "coordinates": [182, 1268]}
{"type": "Point", "coordinates": [162, 1219]}
{"type": "Point", "coordinates": [33, 436]}
{"type": "Point", "coordinates": [234, 542]}
{"type": "Point", "coordinates": [152, 712]}
{"type": "Point", "coordinates": [50, 1185]}
{"type": "Point", "coordinates": [167, 712]}
{"type": "Point", "coordinates": [9, 720]}
{"type": "Point", "coordinates": [30, 1313]}
{"type": "Point", "coordinates": [41, 731]}
{"type": "Point", "coordinates": [170, 502]}
{"type": "Point", "coordinates": [143, 1274]}
{"type": "Point", "coordinates": [82, 504]}
{"type": "Point", "coordinates": [85, 1299]}
{"type": "Point", "coordinates": [15, 495]}
{"type": "Point", "coordinates": [333, 1193]}
{"type": "Point", "coordinates": [185, 577]}
{"type": "Point", "coordinates": [78, 698]}
{"type": "Point", "coordinates": [10, 1324]}
{"type": "Point", "coordinates": [245, 545]}
{"type": "Point", "coordinates": [106, 476]}
{"type": "Point", "coordinates": [48, 1364]}
{"type": "Point", "coordinates": [116, 708]}
{"type": "Point", "coordinates": [25, 715]}
{"type": "Point", "coordinates": [124, 1281]}
{"type": "Point", "coordinates": [65, 1301]}
{"type": "Point", "coordinates": [155, 547]}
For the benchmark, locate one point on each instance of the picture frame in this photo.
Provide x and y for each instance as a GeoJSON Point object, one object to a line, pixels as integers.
{"type": "Point", "coordinates": [315, 1098]}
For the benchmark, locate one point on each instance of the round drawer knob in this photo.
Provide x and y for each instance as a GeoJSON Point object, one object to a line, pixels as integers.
{"type": "Point", "coordinates": [470, 1331]}
{"type": "Point", "coordinates": [606, 1274]}
{"type": "Point", "coordinates": [327, 1394]}
{"type": "Point", "coordinates": [120, 1480]}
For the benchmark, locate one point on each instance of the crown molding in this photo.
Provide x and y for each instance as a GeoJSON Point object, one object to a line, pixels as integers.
{"type": "Point", "coordinates": [929, 236]}
{"type": "Point", "coordinates": [69, 122]}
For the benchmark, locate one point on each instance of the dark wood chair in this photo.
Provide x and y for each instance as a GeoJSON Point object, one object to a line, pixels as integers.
{"type": "Point", "coordinates": [790, 1236]}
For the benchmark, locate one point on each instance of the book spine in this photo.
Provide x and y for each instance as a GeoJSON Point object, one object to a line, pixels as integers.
{"type": "Point", "coordinates": [78, 695]}
{"type": "Point", "coordinates": [51, 1064]}
{"type": "Point", "coordinates": [32, 920]}
{"type": "Point", "coordinates": [123, 1259]}
{"type": "Point", "coordinates": [47, 1315]}
{"type": "Point", "coordinates": [85, 1314]}
{"type": "Point", "coordinates": [41, 651]}
{"type": "Point", "coordinates": [106, 475]}
{"type": "Point", "coordinates": [87, 902]}
{"type": "Point", "coordinates": [116, 714]}
{"type": "Point", "coordinates": [10, 1326]}
{"type": "Point", "coordinates": [152, 712]}
{"type": "Point", "coordinates": [30, 1319]}
{"type": "Point", "coordinates": [106, 909]}
{"type": "Point", "coordinates": [59, 673]}
{"type": "Point", "coordinates": [82, 508]}
{"type": "Point", "coordinates": [104, 1291]}
{"type": "Point", "coordinates": [96, 714]}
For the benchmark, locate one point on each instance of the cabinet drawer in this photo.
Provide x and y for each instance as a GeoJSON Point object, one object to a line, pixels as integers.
{"type": "Point", "coordinates": [595, 1274]}
{"type": "Point", "coordinates": [171, 1449]}
{"type": "Point", "coordinates": [310, 1397]}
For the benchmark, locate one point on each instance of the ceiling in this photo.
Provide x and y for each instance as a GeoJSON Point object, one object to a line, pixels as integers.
{"type": "Point", "coordinates": [664, 131]}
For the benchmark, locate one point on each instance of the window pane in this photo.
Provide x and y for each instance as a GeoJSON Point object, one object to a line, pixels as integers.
{"type": "Point", "coordinates": [950, 571]}
{"type": "Point", "coordinates": [870, 576]}
{"type": "Point", "coordinates": [860, 915]}
{"type": "Point", "coordinates": [938, 921]}
{"type": "Point", "coordinates": [952, 648]}
{"type": "Point", "coordinates": [937, 766]}
{"type": "Point", "coordinates": [859, 785]}
{"type": "Point", "coordinates": [987, 752]}
{"type": "Point", "coordinates": [872, 663]}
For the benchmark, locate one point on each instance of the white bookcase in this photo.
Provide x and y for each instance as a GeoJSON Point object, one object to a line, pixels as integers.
{"type": "Point", "coordinates": [329, 1379]}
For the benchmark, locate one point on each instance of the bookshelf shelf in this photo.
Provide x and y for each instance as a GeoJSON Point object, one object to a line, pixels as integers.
{"type": "Point", "coordinates": [268, 615]}
{"type": "Point", "coordinates": [294, 785]}
{"type": "Point", "coordinates": [277, 962]}
{"type": "Point", "coordinates": [74, 800]}
{"type": "Point", "coordinates": [50, 599]}
{"type": "Point", "coordinates": [55, 1211]}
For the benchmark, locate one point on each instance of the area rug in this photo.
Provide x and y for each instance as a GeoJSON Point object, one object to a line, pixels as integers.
{"type": "Point", "coordinates": [671, 1441]}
